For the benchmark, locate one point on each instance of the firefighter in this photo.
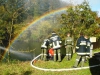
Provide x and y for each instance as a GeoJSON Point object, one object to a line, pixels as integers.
{"type": "Point", "coordinates": [44, 48]}
{"type": "Point", "coordinates": [81, 51]}
{"type": "Point", "coordinates": [88, 46]}
{"type": "Point", "coordinates": [55, 42]}
{"type": "Point", "coordinates": [68, 46]}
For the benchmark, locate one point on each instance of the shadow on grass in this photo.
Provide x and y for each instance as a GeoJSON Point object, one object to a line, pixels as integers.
{"type": "Point", "coordinates": [94, 61]}
{"type": "Point", "coordinates": [28, 73]}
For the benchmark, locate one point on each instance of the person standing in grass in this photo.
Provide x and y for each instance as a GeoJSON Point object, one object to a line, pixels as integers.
{"type": "Point", "coordinates": [69, 46]}
{"type": "Point", "coordinates": [44, 48]}
{"type": "Point", "coordinates": [55, 43]}
{"type": "Point", "coordinates": [81, 47]}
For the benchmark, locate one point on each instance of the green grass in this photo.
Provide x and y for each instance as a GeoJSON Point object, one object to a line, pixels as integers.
{"type": "Point", "coordinates": [24, 68]}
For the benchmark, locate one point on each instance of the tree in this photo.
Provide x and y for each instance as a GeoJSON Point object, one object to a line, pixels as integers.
{"type": "Point", "coordinates": [12, 14]}
{"type": "Point", "coordinates": [43, 6]}
{"type": "Point", "coordinates": [79, 19]}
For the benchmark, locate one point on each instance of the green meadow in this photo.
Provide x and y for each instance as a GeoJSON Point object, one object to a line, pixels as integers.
{"type": "Point", "coordinates": [24, 67]}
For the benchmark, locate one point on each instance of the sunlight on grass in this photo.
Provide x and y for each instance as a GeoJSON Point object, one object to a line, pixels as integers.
{"type": "Point", "coordinates": [57, 65]}
{"type": "Point", "coordinates": [24, 68]}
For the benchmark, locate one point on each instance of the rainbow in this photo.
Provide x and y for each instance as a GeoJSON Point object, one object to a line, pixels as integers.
{"type": "Point", "coordinates": [35, 21]}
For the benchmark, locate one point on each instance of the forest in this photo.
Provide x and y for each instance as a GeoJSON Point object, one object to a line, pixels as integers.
{"type": "Point", "coordinates": [16, 14]}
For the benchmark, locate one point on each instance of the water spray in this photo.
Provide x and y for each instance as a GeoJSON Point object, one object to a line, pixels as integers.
{"type": "Point", "coordinates": [19, 54]}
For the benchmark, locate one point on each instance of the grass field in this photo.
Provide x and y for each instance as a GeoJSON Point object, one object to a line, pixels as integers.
{"type": "Point", "coordinates": [24, 68]}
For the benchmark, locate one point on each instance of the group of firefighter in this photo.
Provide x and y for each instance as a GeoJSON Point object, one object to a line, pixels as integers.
{"type": "Point", "coordinates": [51, 48]}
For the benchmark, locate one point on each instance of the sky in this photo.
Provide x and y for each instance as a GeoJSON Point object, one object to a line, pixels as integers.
{"type": "Point", "coordinates": [94, 4]}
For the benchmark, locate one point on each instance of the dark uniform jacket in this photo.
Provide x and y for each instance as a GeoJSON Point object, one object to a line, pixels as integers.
{"type": "Point", "coordinates": [55, 41]}
{"type": "Point", "coordinates": [45, 44]}
{"type": "Point", "coordinates": [81, 46]}
{"type": "Point", "coordinates": [88, 46]}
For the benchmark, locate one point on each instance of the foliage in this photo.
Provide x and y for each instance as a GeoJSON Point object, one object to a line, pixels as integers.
{"type": "Point", "coordinates": [13, 13]}
{"type": "Point", "coordinates": [80, 19]}
{"type": "Point", "coordinates": [43, 6]}
{"type": "Point", "coordinates": [16, 14]}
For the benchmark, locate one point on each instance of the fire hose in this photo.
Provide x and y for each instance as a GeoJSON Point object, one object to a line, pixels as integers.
{"type": "Point", "coordinates": [63, 69]}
